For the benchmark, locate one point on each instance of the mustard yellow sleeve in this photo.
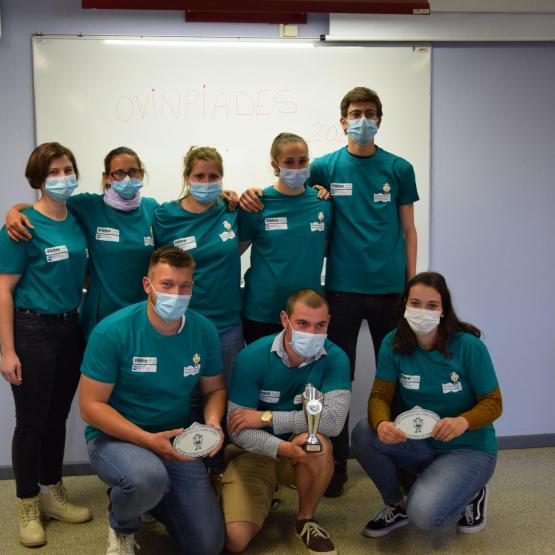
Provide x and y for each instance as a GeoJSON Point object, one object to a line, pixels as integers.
{"type": "Point", "coordinates": [488, 408]}
{"type": "Point", "coordinates": [379, 402]}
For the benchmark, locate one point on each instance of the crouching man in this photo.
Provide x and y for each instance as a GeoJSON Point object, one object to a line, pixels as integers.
{"type": "Point", "coordinates": [267, 423]}
{"type": "Point", "coordinates": [140, 367]}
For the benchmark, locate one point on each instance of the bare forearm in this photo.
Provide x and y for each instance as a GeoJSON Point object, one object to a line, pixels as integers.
{"type": "Point", "coordinates": [107, 419]}
{"type": "Point", "coordinates": [6, 322]}
{"type": "Point", "coordinates": [410, 252]}
{"type": "Point", "coordinates": [214, 406]}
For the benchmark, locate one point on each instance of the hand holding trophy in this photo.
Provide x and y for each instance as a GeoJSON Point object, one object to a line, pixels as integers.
{"type": "Point", "coordinates": [312, 405]}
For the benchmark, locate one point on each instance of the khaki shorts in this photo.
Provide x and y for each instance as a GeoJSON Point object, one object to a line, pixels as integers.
{"type": "Point", "coordinates": [249, 483]}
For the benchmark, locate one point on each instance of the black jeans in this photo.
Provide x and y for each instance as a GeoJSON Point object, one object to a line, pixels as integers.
{"type": "Point", "coordinates": [255, 330]}
{"type": "Point", "coordinates": [348, 310]}
{"type": "Point", "coordinates": [50, 350]}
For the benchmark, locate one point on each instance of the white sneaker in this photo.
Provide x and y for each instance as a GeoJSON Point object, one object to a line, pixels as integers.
{"type": "Point", "coordinates": [121, 544]}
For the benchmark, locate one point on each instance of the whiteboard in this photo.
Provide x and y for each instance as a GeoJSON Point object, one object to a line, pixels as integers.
{"type": "Point", "coordinates": [159, 96]}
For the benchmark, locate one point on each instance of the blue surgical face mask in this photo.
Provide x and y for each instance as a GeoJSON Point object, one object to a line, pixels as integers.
{"type": "Point", "coordinates": [362, 130]}
{"type": "Point", "coordinates": [205, 193]}
{"type": "Point", "coordinates": [128, 188]}
{"type": "Point", "coordinates": [60, 188]}
{"type": "Point", "coordinates": [307, 344]}
{"type": "Point", "coordinates": [294, 179]}
{"type": "Point", "coordinates": [170, 307]}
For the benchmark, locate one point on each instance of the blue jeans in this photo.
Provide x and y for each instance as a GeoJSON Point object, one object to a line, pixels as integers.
{"type": "Point", "coordinates": [179, 495]}
{"type": "Point", "coordinates": [447, 480]}
{"type": "Point", "coordinates": [232, 341]}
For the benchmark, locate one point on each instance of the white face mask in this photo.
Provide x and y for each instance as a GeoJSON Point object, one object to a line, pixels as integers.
{"type": "Point", "coordinates": [421, 320]}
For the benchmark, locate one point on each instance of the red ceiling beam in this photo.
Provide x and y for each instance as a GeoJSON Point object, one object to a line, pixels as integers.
{"type": "Point", "coordinates": [265, 6]}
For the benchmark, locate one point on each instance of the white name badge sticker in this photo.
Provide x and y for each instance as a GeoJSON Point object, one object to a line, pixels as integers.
{"type": "Point", "coordinates": [410, 382]}
{"type": "Point", "coordinates": [226, 235]}
{"type": "Point", "coordinates": [341, 189]}
{"type": "Point", "coordinates": [298, 399]}
{"type": "Point", "coordinates": [451, 387]}
{"type": "Point", "coordinates": [269, 396]}
{"type": "Point", "coordinates": [191, 370]}
{"type": "Point", "coordinates": [107, 234]}
{"type": "Point", "coordinates": [198, 440]}
{"type": "Point", "coordinates": [417, 423]}
{"type": "Point", "coordinates": [54, 254]}
{"type": "Point", "coordinates": [382, 197]}
{"type": "Point", "coordinates": [186, 243]}
{"type": "Point", "coordinates": [149, 241]}
{"type": "Point", "coordinates": [317, 226]}
{"type": "Point", "coordinates": [144, 364]}
{"type": "Point", "coordinates": [271, 224]}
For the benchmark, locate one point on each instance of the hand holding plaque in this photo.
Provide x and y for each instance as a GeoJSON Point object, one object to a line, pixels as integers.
{"type": "Point", "coordinates": [312, 405]}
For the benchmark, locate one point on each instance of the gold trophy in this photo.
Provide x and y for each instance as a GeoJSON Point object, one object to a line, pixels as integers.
{"type": "Point", "coordinates": [312, 405]}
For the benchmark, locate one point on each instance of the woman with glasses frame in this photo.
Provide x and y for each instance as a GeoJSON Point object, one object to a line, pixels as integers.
{"type": "Point", "coordinates": [118, 227]}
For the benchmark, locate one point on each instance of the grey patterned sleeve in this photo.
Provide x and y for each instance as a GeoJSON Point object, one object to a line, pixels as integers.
{"type": "Point", "coordinates": [334, 414]}
{"type": "Point", "coordinates": [254, 440]}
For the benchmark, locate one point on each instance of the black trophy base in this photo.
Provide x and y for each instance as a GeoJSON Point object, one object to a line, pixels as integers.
{"type": "Point", "coordinates": [313, 447]}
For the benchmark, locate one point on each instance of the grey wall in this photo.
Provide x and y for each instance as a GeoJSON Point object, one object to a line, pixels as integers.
{"type": "Point", "coordinates": [493, 190]}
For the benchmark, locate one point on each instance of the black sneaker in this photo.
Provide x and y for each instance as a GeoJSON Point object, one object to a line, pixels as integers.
{"type": "Point", "coordinates": [385, 521]}
{"type": "Point", "coordinates": [314, 537]}
{"type": "Point", "coordinates": [474, 517]}
{"type": "Point", "coordinates": [335, 487]}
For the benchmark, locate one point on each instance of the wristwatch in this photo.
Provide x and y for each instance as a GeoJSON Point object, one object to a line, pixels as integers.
{"type": "Point", "coordinates": [266, 418]}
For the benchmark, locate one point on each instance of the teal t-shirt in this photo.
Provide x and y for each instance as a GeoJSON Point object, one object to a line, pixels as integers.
{"type": "Point", "coordinates": [120, 245]}
{"type": "Point", "coordinates": [52, 264]}
{"type": "Point", "coordinates": [367, 251]}
{"type": "Point", "coordinates": [153, 374]}
{"type": "Point", "coordinates": [211, 237]}
{"type": "Point", "coordinates": [261, 380]}
{"type": "Point", "coordinates": [446, 385]}
{"type": "Point", "coordinates": [287, 253]}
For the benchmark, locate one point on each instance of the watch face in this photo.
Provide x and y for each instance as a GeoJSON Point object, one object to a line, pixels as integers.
{"type": "Point", "coordinates": [266, 417]}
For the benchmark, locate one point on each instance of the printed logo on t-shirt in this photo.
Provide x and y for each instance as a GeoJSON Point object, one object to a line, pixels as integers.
{"type": "Point", "coordinates": [186, 243]}
{"type": "Point", "coordinates": [341, 189]}
{"type": "Point", "coordinates": [54, 254]}
{"type": "Point", "coordinates": [144, 364]}
{"type": "Point", "coordinates": [385, 196]}
{"type": "Point", "coordinates": [410, 382]}
{"type": "Point", "coordinates": [107, 234]}
{"type": "Point", "coordinates": [86, 252]}
{"type": "Point", "coordinates": [319, 225]}
{"type": "Point", "coordinates": [193, 369]}
{"type": "Point", "coordinates": [271, 224]}
{"type": "Point", "coordinates": [454, 386]}
{"type": "Point", "coordinates": [228, 233]}
{"type": "Point", "coordinates": [268, 396]}
{"type": "Point", "coordinates": [298, 399]}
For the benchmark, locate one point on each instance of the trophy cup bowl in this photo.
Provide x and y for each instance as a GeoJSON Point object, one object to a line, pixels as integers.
{"type": "Point", "coordinates": [312, 405]}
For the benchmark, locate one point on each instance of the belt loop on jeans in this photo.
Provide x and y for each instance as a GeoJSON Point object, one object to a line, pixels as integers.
{"type": "Point", "coordinates": [61, 316]}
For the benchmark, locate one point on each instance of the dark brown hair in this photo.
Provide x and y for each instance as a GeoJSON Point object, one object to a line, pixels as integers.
{"type": "Point", "coordinates": [172, 256]}
{"type": "Point", "coordinates": [309, 297]}
{"type": "Point", "coordinates": [120, 150]}
{"type": "Point", "coordinates": [360, 94]}
{"type": "Point", "coordinates": [38, 164]}
{"type": "Point", "coordinates": [405, 341]}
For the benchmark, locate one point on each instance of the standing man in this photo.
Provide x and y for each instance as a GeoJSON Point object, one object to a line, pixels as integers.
{"type": "Point", "coordinates": [373, 244]}
{"type": "Point", "coordinates": [268, 426]}
{"type": "Point", "coordinates": [140, 367]}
